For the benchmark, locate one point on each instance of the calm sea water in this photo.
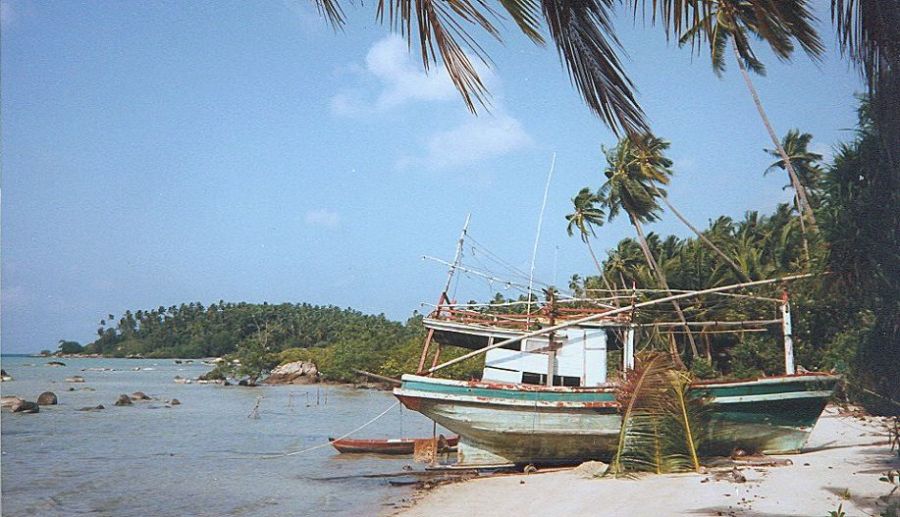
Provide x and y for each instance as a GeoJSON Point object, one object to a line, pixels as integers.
{"type": "Point", "coordinates": [204, 457]}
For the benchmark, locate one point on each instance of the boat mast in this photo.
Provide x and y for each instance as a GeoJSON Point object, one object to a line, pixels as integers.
{"type": "Point", "coordinates": [537, 239]}
{"type": "Point", "coordinates": [788, 338]}
{"type": "Point", "coordinates": [445, 297]}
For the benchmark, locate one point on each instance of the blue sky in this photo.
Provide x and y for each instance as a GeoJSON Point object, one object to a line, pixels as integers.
{"type": "Point", "coordinates": [158, 153]}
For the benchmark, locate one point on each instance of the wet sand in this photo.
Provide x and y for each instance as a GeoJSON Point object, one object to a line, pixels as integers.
{"type": "Point", "coordinates": [842, 464]}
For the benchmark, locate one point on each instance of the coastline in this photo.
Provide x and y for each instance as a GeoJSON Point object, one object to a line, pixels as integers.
{"type": "Point", "coordinates": [841, 465]}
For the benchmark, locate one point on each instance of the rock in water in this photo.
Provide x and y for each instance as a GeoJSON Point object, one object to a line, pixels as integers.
{"type": "Point", "coordinates": [175, 402]}
{"type": "Point", "coordinates": [24, 406]}
{"type": "Point", "coordinates": [56, 363]}
{"type": "Point", "coordinates": [95, 408]}
{"type": "Point", "coordinates": [591, 469]}
{"type": "Point", "coordinates": [75, 378]}
{"type": "Point", "coordinates": [47, 398]}
{"type": "Point", "coordinates": [124, 400]}
{"type": "Point", "coordinates": [5, 377]}
{"type": "Point", "coordinates": [9, 401]}
{"type": "Point", "coordinates": [139, 395]}
{"type": "Point", "coordinates": [298, 372]}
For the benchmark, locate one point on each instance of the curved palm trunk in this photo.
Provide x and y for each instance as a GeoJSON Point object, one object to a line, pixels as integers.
{"type": "Point", "coordinates": [602, 274]}
{"type": "Point", "coordinates": [805, 208]}
{"type": "Point", "coordinates": [738, 271]}
{"type": "Point", "coordinates": [661, 278]}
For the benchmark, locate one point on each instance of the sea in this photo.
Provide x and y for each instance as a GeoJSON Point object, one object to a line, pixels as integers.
{"type": "Point", "coordinates": [225, 450]}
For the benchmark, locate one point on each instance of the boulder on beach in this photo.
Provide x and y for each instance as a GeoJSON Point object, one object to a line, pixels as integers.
{"type": "Point", "coordinates": [9, 401]}
{"type": "Point", "coordinates": [94, 408]}
{"type": "Point", "coordinates": [47, 398]}
{"type": "Point", "coordinates": [139, 395]}
{"type": "Point", "coordinates": [591, 469]}
{"type": "Point", "coordinates": [297, 372]}
{"type": "Point", "coordinates": [124, 400]}
{"type": "Point", "coordinates": [25, 406]}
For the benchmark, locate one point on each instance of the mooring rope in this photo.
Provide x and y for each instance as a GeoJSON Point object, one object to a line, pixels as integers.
{"type": "Point", "coordinates": [319, 446]}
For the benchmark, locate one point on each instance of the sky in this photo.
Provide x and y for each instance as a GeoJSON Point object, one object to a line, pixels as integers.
{"type": "Point", "coordinates": [159, 153]}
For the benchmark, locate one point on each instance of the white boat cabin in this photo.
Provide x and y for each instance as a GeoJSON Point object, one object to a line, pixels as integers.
{"type": "Point", "coordinates": [578, 357]}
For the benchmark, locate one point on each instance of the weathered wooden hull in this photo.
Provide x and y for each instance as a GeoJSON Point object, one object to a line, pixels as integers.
{"type": "Point", "coordinates": [521, 424]}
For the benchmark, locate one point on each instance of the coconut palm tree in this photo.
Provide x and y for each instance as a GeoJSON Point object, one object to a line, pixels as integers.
{"type": "Point", "coordinates": [629, 188]}
{"type": "Point", "coordinates": [731, 23]}
{"type": "Point", "coordinates": [805, 162]}
{"type": "Point", "coordinates": [584, 218]}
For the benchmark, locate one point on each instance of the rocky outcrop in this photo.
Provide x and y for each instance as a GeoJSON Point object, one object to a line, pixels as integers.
{"type": "Point", "coordinates": [25, 406]}
{"type": "Point", "coordinates": [298, 372]}
{"type": "Point", "coordinates": [47, 398]}
{"type": "Point", "coordinates": [124, 400]}
{"type": "Point", "coordinates": [9, 401]}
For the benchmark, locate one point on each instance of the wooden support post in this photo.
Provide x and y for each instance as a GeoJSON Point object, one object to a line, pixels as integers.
{"type": "Point", "coordinates": [628, 349]}
{"type": "Point", "coordinates": [788, 338]}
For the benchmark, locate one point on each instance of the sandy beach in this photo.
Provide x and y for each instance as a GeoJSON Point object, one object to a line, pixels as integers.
{"type": "Point", "coordinates": [841, 465]}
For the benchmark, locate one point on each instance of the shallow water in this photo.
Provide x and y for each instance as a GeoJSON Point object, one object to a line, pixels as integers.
{"type": "Point", "coordinates": [207, 456]}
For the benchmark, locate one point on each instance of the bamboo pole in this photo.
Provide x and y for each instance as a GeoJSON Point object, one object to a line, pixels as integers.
{"type": "Point", "coordinates": [613, 312]}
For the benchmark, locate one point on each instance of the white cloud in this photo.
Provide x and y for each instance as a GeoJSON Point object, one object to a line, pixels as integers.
{"type": "Point", "coordinates": [400, 80]}
{"type": "Point", "coordinates": [323, 217]}
{"type": "Point", "coordinates": [488, 136]}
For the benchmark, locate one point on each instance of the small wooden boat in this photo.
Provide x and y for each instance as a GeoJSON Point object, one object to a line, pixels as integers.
{"type": "Point", "coordinates": [388, 446]}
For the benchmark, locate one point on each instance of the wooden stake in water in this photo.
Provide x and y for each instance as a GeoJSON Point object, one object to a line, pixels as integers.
{"type": "Point", "coordinates": [254, 413]}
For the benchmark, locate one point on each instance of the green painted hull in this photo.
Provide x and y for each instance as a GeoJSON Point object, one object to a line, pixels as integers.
{"type": "Point", "coordinates": [532, 424]}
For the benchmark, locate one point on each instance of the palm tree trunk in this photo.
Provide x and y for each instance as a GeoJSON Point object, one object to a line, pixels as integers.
{"type": "Point", "coordinates": [740, 273]}
{"type": "Point", "coordinates": [661, 278]}
{"type": "Point", "coordinates": [602, 275]}
{"type": "Point", "coordinates": [805, 208]}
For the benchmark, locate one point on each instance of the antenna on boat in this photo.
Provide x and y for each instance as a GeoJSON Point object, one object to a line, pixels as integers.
{"type": "Point", "coordinates": [537, 239]}
{"type": "Point", "coordinates": [445, 296]}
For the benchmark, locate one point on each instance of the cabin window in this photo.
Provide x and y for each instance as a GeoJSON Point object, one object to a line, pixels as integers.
{"type": "Point", "coordinates": [541, 379]}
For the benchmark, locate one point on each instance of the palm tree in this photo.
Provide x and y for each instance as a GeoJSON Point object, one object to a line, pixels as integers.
{"type": "Point", "coordinates": [805, 162]}
{"type": "Point", "coordinates": [732, 22]}
{"type": "Point", "coordinates": [629, 188]}
{"type": "Point", "coordinates": [584, 218]}
{"type": "Point", "coordinates": [649, 155]}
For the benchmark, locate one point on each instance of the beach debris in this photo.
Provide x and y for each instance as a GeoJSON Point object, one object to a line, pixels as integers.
{"type": "Point", "coordinates": [139, 395]}
{"type": "Point", "coordinates": [94, 408]}
{"type": "Point", "coordinates": [591, 469]}
{"type": "Point", "coordinates": [47, 398]}
{"type": "Point", "coordinates": [123, 400]}
{"type": "Point", "coordinates": [56, 363]}
{"type": "Point", "coordinates": [5, 377]}
{"type": "Point", "coordinates": [9, 401]}
{"type": "Point", "coordinates": [297, 372]}
{"type": "Point", "coordinates": [25, 406]}
{"type": "Point", "coordinates": [75, 378]}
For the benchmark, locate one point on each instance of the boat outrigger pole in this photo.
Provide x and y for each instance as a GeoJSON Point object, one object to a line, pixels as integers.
{"type": "Point", "coordinates": [621, 310]}
{"type": "Point", "coordinates": [445, 297]}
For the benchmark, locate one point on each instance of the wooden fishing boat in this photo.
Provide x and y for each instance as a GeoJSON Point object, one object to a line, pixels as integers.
{"type": "Point", "coordinates": [396, 446]}
{"type": "Point", "coordinates": [545, 396]}
{"type": "Point", "coordinates": [520, 424]}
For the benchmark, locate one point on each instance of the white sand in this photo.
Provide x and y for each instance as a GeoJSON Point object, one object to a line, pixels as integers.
{"type": "Point", "coordinates": [843, 461]}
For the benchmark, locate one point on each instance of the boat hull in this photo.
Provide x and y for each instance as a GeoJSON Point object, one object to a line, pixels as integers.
{"type": "Point", "coordinates": [518, 424]}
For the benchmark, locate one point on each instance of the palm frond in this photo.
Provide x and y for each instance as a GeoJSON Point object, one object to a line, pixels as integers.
{"type": "Point", "coordinates": [587, 44]}
{"type": "Point", "coordinates": [526, 14]}
{"type": "Point", "coordinates": [868, 31]}
{"type": "Point", "coordinates": [332, 11]}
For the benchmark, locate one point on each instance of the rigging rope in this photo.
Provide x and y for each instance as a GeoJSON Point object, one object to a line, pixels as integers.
{"type": "Point", "coordinates": [319, 446]}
